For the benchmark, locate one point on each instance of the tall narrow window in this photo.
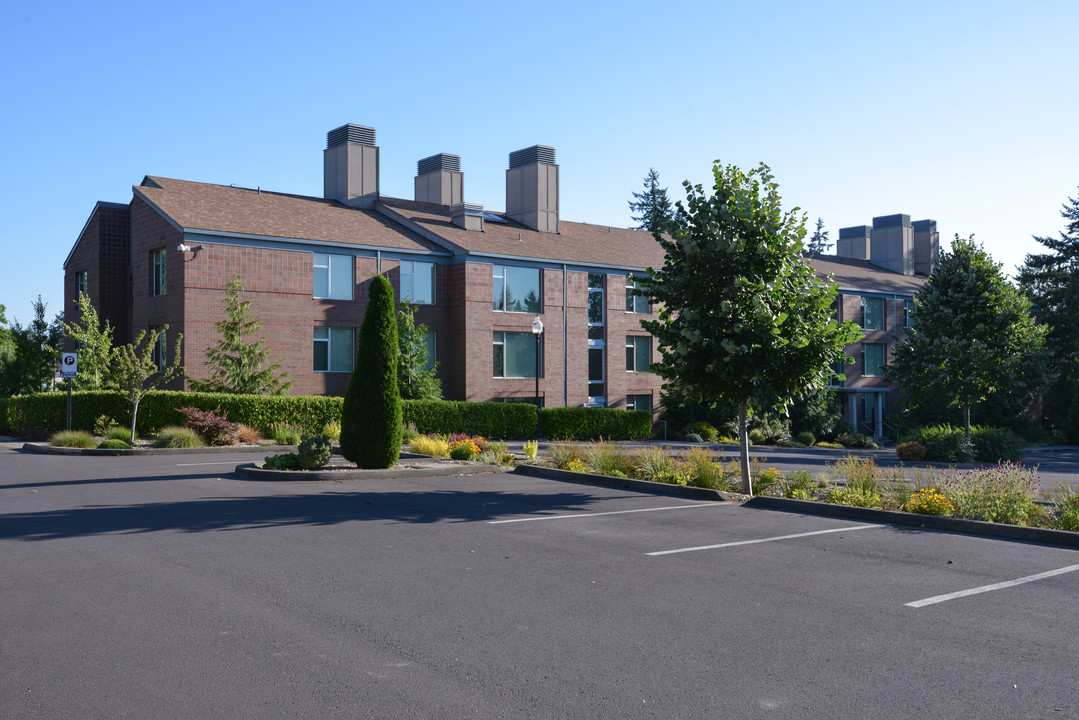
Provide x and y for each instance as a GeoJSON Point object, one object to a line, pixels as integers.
{"type": "Point", "coordinates": [638, 353]}
{"type": "Point", "coordinates": [80, 284]}
{"type": "Point", "coordinates": [334, 349]}
{"type": "Point", "coordinates": [417, 282]}
{"type": "Point", "coordinates": [432, 345]}
{"type": "Point", "coordinates": [597, 377]}
{"type": "Point", "coordinates": [596, 311]}
{"type": "Point", "coordinates": [333, 276]}
{"type": "Point", "coordinates": [635, 303]}
{"type": "Point", "coordinates": [872, 313]}
{"type": "Point", "coordinates": [157, 272]}
{"type": "Point", "coordinates": [515, 355]}
{"type": "Point", "coordinates": [158, 354]}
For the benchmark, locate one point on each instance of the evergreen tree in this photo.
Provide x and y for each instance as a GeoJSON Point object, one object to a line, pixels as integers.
{"type": "Point", "coordinates": [414, 380]}
{"type": "Point", "coordinates": [743, 317]}
{"type": "Point", "coordinates": [818, 241]}
{"type": "Point", "coordinates": [236, 365]}
{"type": "Point", "coordinates": [94, 345]}
{"type": "Point", "coordinates": [1051, 281]}
{"type": "Point", "coordinates": [133, 370]}
{"type": "Point", "coordinates": [371, 412]}
{"type": "Point", "coordinates": [975, 336]}
{"type": "Point", "coordinates": [652, 206]}
{"type": "Point", "coordinates": [34, 350]}
{"type": "Point", "coordinates": [7, 342]}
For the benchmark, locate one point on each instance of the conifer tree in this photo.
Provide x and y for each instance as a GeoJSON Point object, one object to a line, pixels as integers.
{"type": "Point", "coordinates": [414, 379]}
{"type": "Point", "coordinates": [652, 206]}
{"type": "Point", "coordinates": [371, 412]}
{"type": "Point", "coordinates": [236, 365]}
{"type": "Point", "coordinates": [818, 241]}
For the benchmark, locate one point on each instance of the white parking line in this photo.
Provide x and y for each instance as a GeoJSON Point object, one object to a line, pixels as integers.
{"type": "Point", "coordinates": [613, 512]}
{"type": "Point", "coordinates": [764, 540]}
{"type": "Point", "coordinates": [223, 462]}
{"type": "Point", "coordinates": [988, 588]}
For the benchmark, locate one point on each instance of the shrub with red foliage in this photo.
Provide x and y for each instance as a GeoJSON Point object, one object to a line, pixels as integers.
{"type": "Point", "coordinates": [215, 429]}
{"type": "Point", "coordinates": [912, 450]}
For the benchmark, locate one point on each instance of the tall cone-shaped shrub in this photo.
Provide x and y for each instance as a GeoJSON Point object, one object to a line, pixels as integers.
{"type": "Point", "coordinates": [371, 413]}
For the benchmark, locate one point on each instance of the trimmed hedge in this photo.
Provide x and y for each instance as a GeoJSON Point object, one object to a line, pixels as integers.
{"type": "Point", "coordinates": [48, 411]}
{"type": "Point", "coordinates": [578, 423]}
{"type": "Point", "coordinates": [3, 415]}
{"type": "Point", "coordinates": [946, 443]}
{"type": "Point", "coordinates": [510, 421]}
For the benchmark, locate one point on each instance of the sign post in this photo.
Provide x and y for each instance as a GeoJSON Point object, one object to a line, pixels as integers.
{"type": "Point", "coordinates": [69, 367]}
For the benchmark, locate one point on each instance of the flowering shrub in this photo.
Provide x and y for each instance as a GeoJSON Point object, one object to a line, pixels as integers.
{"type": "Point", "coordinates": [1067, 511]}
{"type": "Point", "coordinates": [930, 501]}
{"type": "Point", "coordinates": [910, 451]}
{"type": "Point", "coordinates": [531, 448]}
{"type": "Point", "coordinates": [575, 465]}
{"type": "Point", "coordinates": [465, 449]}
{"type": "Point", "coordinates": [1002, 493]}
{"type": "Point", "coordinates": [855, 498]}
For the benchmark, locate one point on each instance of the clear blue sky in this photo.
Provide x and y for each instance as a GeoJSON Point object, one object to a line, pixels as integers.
{"type": "Point", "coordinates": [963, 112]}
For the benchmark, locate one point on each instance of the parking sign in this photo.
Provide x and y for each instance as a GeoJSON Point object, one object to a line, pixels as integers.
{"type": "Point", "coordinates": [69, 365]}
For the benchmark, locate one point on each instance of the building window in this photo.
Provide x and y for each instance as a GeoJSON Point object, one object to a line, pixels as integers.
{"type": "Point", "coordinates": [639, 402]}
{"type": "Point", "coordinates": [334, 349]}
{"type": "Point", "coordinates": [908, 314]}
{"type": "Point", "coordinates": [517, 289]}
{"type": "Point", "coordinates": [595, 306]}
{"type": "Point", "coordinates": [873, 359]}
{"type": "Point", "coordinates": [417, 282]}
{"type": "Point", "coordinates": [158, 354]}
{"type": "Point", "coordinates": [872, 313]}
{"type": "Point", "coordinates": [635, 303]}
{"type": "Point", "coordinates": [157, 274]}
{"type": "Point", "coordinates": [80, 284]}
{"type": "Point", "coordinates": [333, 276]}
{"type": "Point", "coordinates": [515, 355]}
{"type": "Point", "coordinates": [638, 353]}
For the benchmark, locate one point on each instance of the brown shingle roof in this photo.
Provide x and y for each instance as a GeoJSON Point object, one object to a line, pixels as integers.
{"type": "Point", "coordinates": [851, 274]}
{"type": "Point", "coordinates": [220, 208]}
{"type": "Point", "coordinates": [574, 243]}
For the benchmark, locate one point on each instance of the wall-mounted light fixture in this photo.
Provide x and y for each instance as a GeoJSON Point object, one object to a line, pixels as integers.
{"type": "Point", "coordinates": [184, 248]}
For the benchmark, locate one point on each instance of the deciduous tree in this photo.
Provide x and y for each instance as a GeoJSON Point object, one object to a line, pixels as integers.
{"type": "Point", "coordinates": [974, 336]}
{"type": "Point", "coordinates": [133, 370]}
{"type": "Point", "coordinates": [36, 348]}
{"type": "Point", "coordinates": [743, 317]}
{"type": "Point", "coordinates": [94, 345]}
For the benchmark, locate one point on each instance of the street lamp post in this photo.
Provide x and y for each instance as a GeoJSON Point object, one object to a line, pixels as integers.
{"type": "Point", "coordinates": [537, 330]}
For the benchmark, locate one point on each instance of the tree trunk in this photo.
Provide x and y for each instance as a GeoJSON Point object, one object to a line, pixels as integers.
{"type": "Point", "coordinates": [743, 443]}
{"type": "Point", "coordinates": [134, 414]}
{"type": "Point", "coordinates": [966, 420]}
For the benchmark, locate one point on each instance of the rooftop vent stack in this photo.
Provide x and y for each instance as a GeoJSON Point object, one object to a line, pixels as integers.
{"type": "Point", "coordinates": [439, 180]}
{"type": "Point", "coordinates": [532, 188]}
{"type": "Point", "coordinates": [926, 246]}
{"type": "Point", "coordinates": [468, 216]}
{"type": "Point", "coordinates": [854, 242]}
{"type": "Point", "coordinates": [350, 166]}
{"type": "Point", "coordinates": [892, 245]}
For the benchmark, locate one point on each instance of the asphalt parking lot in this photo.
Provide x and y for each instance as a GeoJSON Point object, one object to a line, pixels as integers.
{"type": "Point", "coordinates": [165, 587]}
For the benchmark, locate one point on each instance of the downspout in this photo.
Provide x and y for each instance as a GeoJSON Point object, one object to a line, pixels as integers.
{"type": "Point", "coordinates": [378, 262]}
{"type": "Point", "coordinates": [565, 336]}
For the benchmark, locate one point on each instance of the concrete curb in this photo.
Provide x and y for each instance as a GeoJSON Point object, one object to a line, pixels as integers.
{"type": "Point", "coordinates": [46, 449]}
{"type": "Point", "coordinates": [695, 493]}
{"type": "Point", "coordinates": [928, 522]}
{"type": "Point", "coordinates": [252, 471]}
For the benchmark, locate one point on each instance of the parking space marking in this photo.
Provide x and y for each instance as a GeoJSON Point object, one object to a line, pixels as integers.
{"type": "Point", "coordinates": [613, 512]}
{"type": "Point", "coordinates": [764, 540]}
{"type": "Point", "coordinates": [989, 588]}
{"type": "Point", "coordinates": [223, 462]}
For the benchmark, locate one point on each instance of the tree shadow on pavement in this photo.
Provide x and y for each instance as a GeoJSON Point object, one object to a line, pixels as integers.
{"type": "Point", "coordinates": [325, 509]}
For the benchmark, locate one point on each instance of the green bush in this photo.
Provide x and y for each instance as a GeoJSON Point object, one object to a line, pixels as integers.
{"type": "Point", "coordinates": [4, 427]}
{"type": "Point", "coordinates": [514, 420]}
{"type": "Point", "coordinates": [118, 433]}
{"type": "Point", "coordinates": [113, 444]}
{"type": "Point", "coordinates": [72, 439]}
{"type": "Point", "coordinates": [332, 430]}
{"type": "Point", "coordinates": [806, 438]}
{"type": "Point", "coordinates": [855, 440]}
{"type": "Point", "coordinates": [944, 443]}
{"type": "Point", "coordinates": [756, 436]}
{"type": "Point", "coordinates": [371, 413]}
{"type": "Point", "coordinates": [178, 437]}
{"type": "Point", "coordinates": [594, 423]}
{"type": "Point", "coordinates": [284, 461]}
{"type": "Point", "coordinates": [285, 434]}
{"type": "Point", "coordinates": [314, 452]}
{"type": "Point", "coordinates": [996, 444]}
{"type": "Point", "coordinates": [694, 438]}
{"type": "Point", "coordinates": [1005, 493]}
{"type": "Point", "coordinates": [706, 431]}
{"type": "Point", "coordinates": [1067, 511]}
{"type": "Point", "coordinates": [104, 424]}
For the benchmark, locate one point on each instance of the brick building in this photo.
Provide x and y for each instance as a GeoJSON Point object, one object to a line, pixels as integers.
{"type": "Point", "coordinates": [479, 278]}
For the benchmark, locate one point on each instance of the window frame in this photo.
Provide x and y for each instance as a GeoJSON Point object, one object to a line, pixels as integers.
{"type": "Point", "coordinates": [499, 341]}
{"type": "Point", "coordinates": [633, 302]}
{"type": "Point", "coordinates": [159, 354]}
{"type": "Point", "coordinates": [158, 272]}
{"type": "Point", "coordinates": [884, 360]}
{"type": "Point", "coordinates": [632, 348]}
{"type": "Point", "coordinates": [82, 284]}
{"type": "Point", "coordinates": [498, 299]}
{"type": "Point", "coordinates": [328, 340]}
{"type": "Point", "coordinates": [883, 313]}
{"type": "Point", "coordinates": [329, 268]}
{"type": "Point", "coordinates": [410, 273]}
{"type": "Point", "coordinates": [631, 404]}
